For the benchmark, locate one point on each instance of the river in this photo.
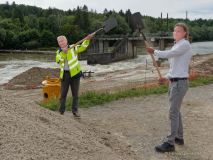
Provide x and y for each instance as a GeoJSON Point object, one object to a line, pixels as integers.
{"type": "Point", "coordinates": [12, 64]}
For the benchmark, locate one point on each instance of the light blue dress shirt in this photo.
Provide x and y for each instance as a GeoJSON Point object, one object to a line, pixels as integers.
{"type": "Point", "coordinates": [179, 57]}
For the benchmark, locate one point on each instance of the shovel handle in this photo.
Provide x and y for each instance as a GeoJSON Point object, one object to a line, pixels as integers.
{"type": "Point", "coordinates": [92, 34]}
{"type": "Point", "coordinates": [97, 31]}
{"type": "Point", "coordinates": [154, 61]}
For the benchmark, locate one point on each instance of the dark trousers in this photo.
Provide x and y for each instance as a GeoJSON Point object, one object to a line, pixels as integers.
{"type": "Point", "coordinates": [74, 83]}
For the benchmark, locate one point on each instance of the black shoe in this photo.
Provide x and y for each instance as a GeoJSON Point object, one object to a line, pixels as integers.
{"type": "Point", "coordinates": [179, 141]}
{"type": "Point", "coordinates": [61, 112]}
{"type": "Point", "coordinates": [76, 114]}
{"type": "Point", "coordinates": [165, 147]}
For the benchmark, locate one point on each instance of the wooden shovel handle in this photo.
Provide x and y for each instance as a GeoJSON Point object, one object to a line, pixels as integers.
{"type": "Point", "coordinates": [154, 61]}
{"type": "Point", "coordinates": [79, 42]}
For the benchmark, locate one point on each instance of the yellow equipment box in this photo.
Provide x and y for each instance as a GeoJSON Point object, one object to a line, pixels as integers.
{"type": "Point", "coordinates": [51, 88]}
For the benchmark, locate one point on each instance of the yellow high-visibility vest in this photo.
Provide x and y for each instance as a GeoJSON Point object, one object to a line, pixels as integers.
{"type": "Point", "coordinates": [72, 59]}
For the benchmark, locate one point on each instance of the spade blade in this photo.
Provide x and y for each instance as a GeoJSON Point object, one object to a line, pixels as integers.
{"type": "Point", "coordinates": [109, 24]}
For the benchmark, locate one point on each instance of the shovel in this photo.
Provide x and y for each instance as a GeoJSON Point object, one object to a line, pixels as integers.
{"type": "Point", "coordinates": [108, 25]}
{"type": "Point", "coordinates": [137, 23]}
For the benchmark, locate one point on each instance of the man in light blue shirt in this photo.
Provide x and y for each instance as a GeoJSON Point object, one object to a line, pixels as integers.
{"type": "Point", "coordinates": [179, 57]}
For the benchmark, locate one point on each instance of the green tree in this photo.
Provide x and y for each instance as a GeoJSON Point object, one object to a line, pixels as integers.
{"type": "Point", "coordinates": [9, 39]}
{"type": "Point", "coordinates": [17, 12]}
{"type": "Point", "coordinates": [32, 21]}
{"type": "Point", "coordinates": [53, 23]}
{"type": "Point", "coordinates": [2, 37]}
{"type": "Point", "coordinates": [122, 28]}
{"type": "Point", "coordinates": [128, 15]}
{"type": "Point", "coordinates": [28, 39]}
{"type": "Point", "coordinates": [8, 24]}
{"type": "Point", "coordinates": [47, 39]}
{"type": "Point", "coordinates": [82, 18]}
{"type": "Point", "coordinates": [210, 32]}
{"type": "Point", "coordinates": [29, 26]}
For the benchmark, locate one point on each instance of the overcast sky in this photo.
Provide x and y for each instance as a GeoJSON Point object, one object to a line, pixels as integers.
{"type": "Point", "coordinates": [175, 8]}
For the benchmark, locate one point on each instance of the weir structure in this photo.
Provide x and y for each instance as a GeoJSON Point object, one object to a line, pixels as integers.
{"type": "Point", "coordinates": [107, 49]}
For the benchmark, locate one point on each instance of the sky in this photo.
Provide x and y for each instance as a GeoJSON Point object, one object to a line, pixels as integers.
{"type": "Point", "coordinates": [175, 8]}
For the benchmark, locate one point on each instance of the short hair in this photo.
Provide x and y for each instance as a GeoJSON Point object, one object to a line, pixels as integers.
{"type": "Point", "coordinates": [61, 37]}
{"type": "Point", "coordinates": [185, 28]}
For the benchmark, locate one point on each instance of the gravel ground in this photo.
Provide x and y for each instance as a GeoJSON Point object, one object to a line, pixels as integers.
{"type": "Point", "coordinates": [143, 122]}
{"type": "Point", "coordinates": [31, 132]}
{"type": "Point", "coordinates": [127, 129]}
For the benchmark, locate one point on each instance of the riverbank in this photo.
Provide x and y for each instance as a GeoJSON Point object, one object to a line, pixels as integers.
{"type": "Point", "coordinates": [109, 81]}
{"type": "Point", "coordinates": [28, 51]}
{"type": "Point", "coordinates": [13, 64]}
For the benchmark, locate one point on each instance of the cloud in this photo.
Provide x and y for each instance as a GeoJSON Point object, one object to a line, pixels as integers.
{"type": "Point", "coordinates": [175, 8]}
{"type": "Point", "coordinates": [200, 10]}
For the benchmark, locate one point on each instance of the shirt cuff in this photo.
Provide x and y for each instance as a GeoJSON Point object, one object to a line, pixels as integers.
{"type": "Point", "coordinates": [156, 55]}
{"type": "Point", "coordinates": [155, 52]}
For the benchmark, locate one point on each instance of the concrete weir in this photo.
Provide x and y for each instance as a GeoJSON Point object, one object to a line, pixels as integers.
{"type": "Point", "coordinates": [104, 50]}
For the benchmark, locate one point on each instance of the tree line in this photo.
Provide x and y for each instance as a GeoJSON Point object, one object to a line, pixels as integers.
{"type": "Point", "coordinates": [30, 27]}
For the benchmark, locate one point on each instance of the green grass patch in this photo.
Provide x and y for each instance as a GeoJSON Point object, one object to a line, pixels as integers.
{"type": "Point", "coordinates": [51, 105]}
{"type": "Point", "coordinates": [90, 99]}
{"type": "Point", "coordinates": [202, 80]}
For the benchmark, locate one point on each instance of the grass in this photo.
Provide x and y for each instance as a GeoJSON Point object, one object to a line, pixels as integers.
{"type": "Point", "coordinates": [202, 80]}
{"type": "Point", "coordinates": [90, 99]}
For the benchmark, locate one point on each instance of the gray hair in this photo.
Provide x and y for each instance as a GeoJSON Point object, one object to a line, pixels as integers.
{"type": "Point", "coordinates": [61, 37]}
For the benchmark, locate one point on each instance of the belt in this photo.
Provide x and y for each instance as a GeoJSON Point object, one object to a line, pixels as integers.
{"type": "Point", "coordinates": [177, 79]}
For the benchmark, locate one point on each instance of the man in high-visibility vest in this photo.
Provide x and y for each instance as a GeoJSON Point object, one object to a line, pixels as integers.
{"type": "Point", "coordinates": [70, 71]}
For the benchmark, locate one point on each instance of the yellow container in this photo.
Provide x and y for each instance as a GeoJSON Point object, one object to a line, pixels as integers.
{"type": "Point", "coordinates": [51, 89]}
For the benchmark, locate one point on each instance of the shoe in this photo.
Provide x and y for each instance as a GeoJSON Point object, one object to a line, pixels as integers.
{"type": "Point", "coordinates": [179, 141]}
{"type": "Point", "coordinates": [165, 147]}
{"type": "Point", "coordinates": [61, 112]}
{"type": "Point", "coordinates": [76, 114]}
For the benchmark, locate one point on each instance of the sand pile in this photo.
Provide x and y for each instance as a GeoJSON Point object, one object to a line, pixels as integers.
{"type": "Point", "coordinates": [31, 78]}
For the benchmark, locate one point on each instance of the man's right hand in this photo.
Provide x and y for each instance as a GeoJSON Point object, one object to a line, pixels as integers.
{"type": "Point", "coordinates": [88, 37]}
{"type": "Point", "coordinates": [150, 50]}
{"type": "Point", "coordinates": [163, 80]}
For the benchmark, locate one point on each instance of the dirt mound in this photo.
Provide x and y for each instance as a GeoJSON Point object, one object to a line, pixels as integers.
{"type": "Point", "coordinates": [31, 78]}
{"type": "Point", "coordinates": [205, 67]}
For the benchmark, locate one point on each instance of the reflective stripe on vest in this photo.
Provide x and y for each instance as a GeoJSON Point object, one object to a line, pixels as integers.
{"type": "Point", "coordinates": [59, 57]}
{"type": "Point", "coordinates": [74, 65]}
{"type": "Point", "coordinates": [73, 58]}
{"type": "Point", "coordinates": [84, 45]}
